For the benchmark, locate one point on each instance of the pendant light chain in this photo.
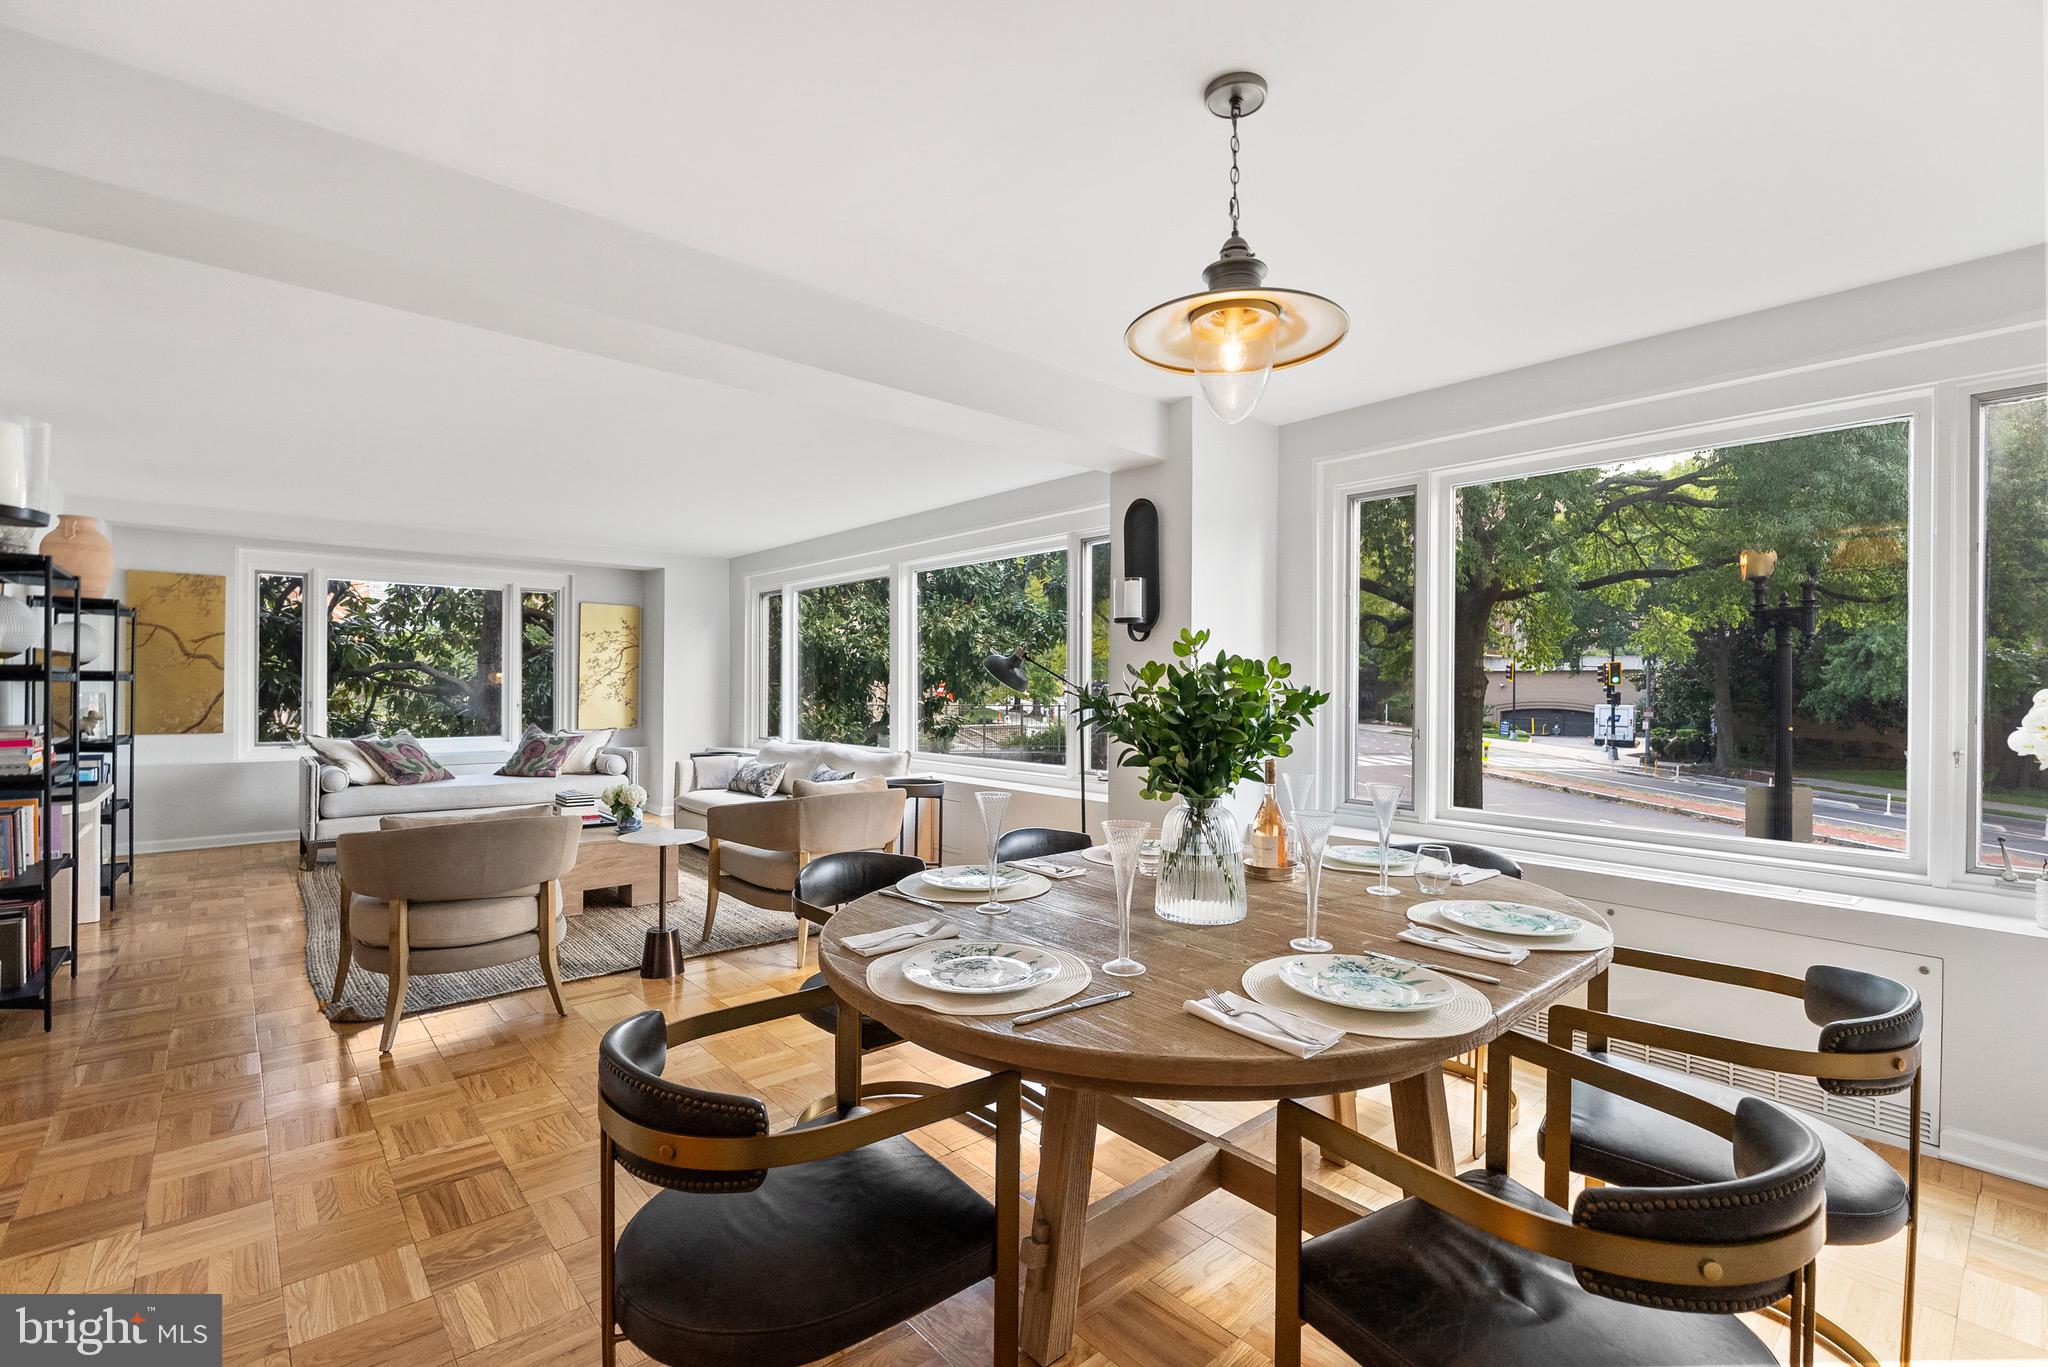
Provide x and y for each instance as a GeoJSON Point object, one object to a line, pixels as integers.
{"type": "Point", "coordinates": [1235, 103]}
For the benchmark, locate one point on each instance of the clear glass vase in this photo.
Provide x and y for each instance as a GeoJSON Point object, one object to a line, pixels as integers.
{"type": "Point", "coordinates": [1201, 866]}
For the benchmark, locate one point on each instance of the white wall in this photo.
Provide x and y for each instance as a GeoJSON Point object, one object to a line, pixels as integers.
{"type": "Point", "coordinates": [1975, 319]}
{"type": "Point", "coordinates": [196, 791]}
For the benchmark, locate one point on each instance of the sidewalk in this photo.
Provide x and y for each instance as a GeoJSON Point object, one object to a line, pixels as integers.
{"type": "Point", "coordinates": [1717, 810]}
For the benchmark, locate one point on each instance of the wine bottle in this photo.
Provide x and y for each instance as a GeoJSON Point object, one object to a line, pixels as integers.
{"type": "Point", "coordinates": [1266, 854]}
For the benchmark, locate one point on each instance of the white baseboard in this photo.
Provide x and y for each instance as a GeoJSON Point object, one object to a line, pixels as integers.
{"type": "Point", "coordinates": [2021, 1162]}
{"type": "Point", "coordinates": [210, 842]}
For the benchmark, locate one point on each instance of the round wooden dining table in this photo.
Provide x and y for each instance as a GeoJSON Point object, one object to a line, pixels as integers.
{"type": "Point", "coordinates": [1098, 1064]}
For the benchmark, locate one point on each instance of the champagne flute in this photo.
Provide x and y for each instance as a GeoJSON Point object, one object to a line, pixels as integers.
{"type": "Point", "coordinates": [1299, 792]}
{"type": "Point", "coordinates": [993, 804]}
{"type": "Point", "coordinates": [1124, 837]}
{"type": "Point", "coordinates": [1386, 800]}
{"type": "Point", "coordinates": [1312, 834]}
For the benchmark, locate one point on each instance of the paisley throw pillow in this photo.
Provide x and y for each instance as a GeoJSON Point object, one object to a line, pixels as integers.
{"type": "Point", "coordinates": [756, 780]}
{"type": "Point", "coordinates": [825, 773]}
{"type": "Point", "coordinates": [540, 755]}
{"type": "Point", "coordinates": [401, 759]}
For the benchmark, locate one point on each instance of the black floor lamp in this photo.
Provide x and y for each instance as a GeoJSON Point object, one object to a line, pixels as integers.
{"type": "Point", "coordinates": [1008, 670]}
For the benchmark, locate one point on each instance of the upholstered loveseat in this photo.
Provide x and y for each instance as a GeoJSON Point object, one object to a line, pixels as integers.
{"type": "Point", "coordinates": [330, 805]}
{"type": "Point", "coordinates": [701, 779]}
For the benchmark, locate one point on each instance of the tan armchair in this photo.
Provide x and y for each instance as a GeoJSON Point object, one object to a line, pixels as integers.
{"type": "Point", "coordinates": [757, 848]}
{"type": "Point", "coordinates": [450, 898]}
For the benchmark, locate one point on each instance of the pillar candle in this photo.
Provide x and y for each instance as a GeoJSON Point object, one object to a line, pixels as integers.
{"type": "Point", "coordinates": [13, 464]}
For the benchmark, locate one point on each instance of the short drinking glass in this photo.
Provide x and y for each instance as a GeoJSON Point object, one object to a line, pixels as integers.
{"type": "Point", "coordinates": [993, 806]}
{"type": "Point", "coordinates": [1433, 869]}
{"type": "Point", "coordinates": [1125, 838]}
{"type": "Point", "coordinates": [1386, 800]}
{"type": "Point", "coordinates": [1312, 837]}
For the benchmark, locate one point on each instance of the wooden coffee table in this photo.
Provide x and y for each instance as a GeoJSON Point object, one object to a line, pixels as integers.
{"type": "Point", "coordinates": [621, 874]}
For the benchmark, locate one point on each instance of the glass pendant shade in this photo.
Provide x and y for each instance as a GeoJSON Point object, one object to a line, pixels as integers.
{"type": "Point", "coordinates": [1233, 346]}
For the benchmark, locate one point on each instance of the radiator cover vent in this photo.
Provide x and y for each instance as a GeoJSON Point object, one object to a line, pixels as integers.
{"type": "Point", "coordinates": [1887, 1119]}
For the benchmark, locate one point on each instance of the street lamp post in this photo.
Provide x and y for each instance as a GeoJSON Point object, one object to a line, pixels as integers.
{"type": "Point", "coordinates": [1784, 619]}
{"type": "Point", "coordinates": [1008, 670]}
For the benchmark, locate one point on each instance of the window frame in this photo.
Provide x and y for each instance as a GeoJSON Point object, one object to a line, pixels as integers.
{"type": "Point", "coordinates": [1346, 695]}
{"type": "Point", "coordinates": [1436, 468]}
{"type": "Point", "coordinates": [317, 571]}
{"type": "Point", "coordinates": [1969, 840]}
{"type": "Point", "coordinates": [1069, 530]}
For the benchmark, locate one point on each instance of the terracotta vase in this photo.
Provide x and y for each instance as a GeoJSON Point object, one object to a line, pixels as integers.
{"type": "Point", "coordinates": [80, 547]}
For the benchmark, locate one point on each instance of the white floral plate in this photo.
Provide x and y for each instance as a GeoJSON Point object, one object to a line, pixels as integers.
{"type": "Point", "coordinates": [980, 967]}
{"type": "Point", "coordinates": [1510, 918]}
{"type": "Point", "coordinates": [1367, 982]}
{"type": "Point", "coordinates": [972, 877]}
{"type": "Point", "coordinates": [1366, 859]}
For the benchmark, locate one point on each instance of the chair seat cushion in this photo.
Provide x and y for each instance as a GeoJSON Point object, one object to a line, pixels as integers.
{"type": "Point", "coordinates": [1409, 1285]}
{"type": "Point", "coordinates": [1621, 1141]}
{"type": "Point", "coordinates": [702, 800]}
{"type": "Point", "coordinates": [773, 869]}
{"type": "Point", "coordinates": [873, 1034]}
{"type": "Point", "coordinates": [443, 925]}
{"type": "Point", "coordinates": [818, 1257]}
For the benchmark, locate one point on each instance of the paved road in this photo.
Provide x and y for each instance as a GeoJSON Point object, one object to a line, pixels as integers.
{"type": "Point", "coordinates": [1383, 757]}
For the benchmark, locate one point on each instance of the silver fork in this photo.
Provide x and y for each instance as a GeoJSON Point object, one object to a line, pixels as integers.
{"type": "Point", "coordinates": [1450, 937]}
{"type": "Point", "coordinates": [908, 933]}
{"type": "Point", "coordinates": [1217, 1000]}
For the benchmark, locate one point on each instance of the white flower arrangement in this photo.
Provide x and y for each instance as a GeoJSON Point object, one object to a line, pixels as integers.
{"type": "Point", "coordinates": [624, 798]}
{"type": "Point", "coordinates": [2031, 739]}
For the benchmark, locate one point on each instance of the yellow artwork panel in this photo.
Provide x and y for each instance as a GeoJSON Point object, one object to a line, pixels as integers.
{"type": "Point", "coordinates": [608, 666]}
{"type": "Point", "coordinates": [180, 638]}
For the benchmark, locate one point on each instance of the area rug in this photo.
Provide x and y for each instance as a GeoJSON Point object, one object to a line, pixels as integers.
{"type": "Point", "coordinates": [600, 940]}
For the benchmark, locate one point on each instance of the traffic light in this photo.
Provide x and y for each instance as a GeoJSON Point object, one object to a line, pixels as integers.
{"type": "Point", "coordinates": [1614, 673]}
{"type": "Point", "coordinates": [1511, 671]}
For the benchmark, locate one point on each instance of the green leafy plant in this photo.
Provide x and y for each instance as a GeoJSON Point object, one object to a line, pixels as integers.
{"type": "Point", "coordinates": [1199, 727]}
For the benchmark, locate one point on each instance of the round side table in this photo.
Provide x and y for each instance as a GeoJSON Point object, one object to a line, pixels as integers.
{"type": "Point", "coordinates": [663, 956]}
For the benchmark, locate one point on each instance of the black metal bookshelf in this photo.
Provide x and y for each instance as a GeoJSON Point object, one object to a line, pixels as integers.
{"type": "Point", "coordinates": [118, 745]}
{"type": "Point", "coordinates": [54, 591]}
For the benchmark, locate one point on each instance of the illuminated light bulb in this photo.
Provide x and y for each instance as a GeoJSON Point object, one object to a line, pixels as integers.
{"type": "Point", "coordinates": [1234, 345]}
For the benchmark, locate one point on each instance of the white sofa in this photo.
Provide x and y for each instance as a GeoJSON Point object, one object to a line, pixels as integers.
{"type": "Point", "coordinates": [330, 806]}
{"type": "Point", "coordinates": [701, 779]}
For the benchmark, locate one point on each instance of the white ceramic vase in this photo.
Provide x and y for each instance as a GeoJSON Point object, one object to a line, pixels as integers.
{"type": "Point", "coordinates": [21, 627]}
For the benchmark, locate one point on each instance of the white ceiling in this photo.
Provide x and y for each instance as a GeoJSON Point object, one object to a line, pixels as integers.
{"type": "Point", "coordinates": [1484, 186]}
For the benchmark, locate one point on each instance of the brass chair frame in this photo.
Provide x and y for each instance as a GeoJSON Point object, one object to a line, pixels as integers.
{"type": "Point", "coordinates": [792, 1147]}
{"type": "Point", "coordinates": [1599, 1025]}
{"type": "Point", "coordinates": [1790, 1254]}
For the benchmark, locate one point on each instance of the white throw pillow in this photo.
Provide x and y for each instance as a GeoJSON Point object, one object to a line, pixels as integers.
{"type": "Point", "coordinates": [343, 755]}
{"type": "Point", "coordinates": [714, 771]}
{"type": "Point", "coordinates": [611, 764]}
{"type": "Point", "coordinates": [583, 759]}
{"type": "Point", "coordinates": [333, 778]}
{"type": "Point", "coordinates": [798, 758]}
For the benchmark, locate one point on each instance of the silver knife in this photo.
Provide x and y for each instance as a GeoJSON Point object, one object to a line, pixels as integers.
{"type": "Point", "coordinates": [1030, 1016]}
{"type": "Point", "coordinates": [1448, 936]}
{"type": "Point", "coordinates": [1462, 973]}
{"type": "Point", "coordinates": [915, 901]}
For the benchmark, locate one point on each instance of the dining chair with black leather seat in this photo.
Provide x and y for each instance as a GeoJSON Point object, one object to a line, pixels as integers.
{"type": "Point", "coordinates": [1474, 856]}
{"type": "Point", "coordinates": [1480, 1271]}
{"type": "Point", "coordinates": [1869, 1045]}
{"type": "Point", "coordinates": [768, 1250]}
{"type": "Point", "coordinates": [1039, 842]}
{"type": "Point", "coordinates": [823, 886]}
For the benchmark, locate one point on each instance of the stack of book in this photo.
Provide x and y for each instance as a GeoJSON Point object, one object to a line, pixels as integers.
{"type": "Point", "coordinates": [21, 835]}
{"type": "Point", "coordinates": [21, 752]}
{"type": "Point", "coordinates": [582, 805]}
{"type": "Point", "coordinates": [21, 943]}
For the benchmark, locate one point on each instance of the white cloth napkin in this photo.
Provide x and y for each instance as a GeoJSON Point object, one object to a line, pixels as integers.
{"type": "Point", "coordinates": [889, 941]}
{"type": "Point", "coordinates": [1047, 869]}
{"type": "Point", "coordinates": [1263, 1030]}
{"type": "Point", "coordinates": [1464, 875]}
{"type": "Point", "coordinates": [1470, 951]}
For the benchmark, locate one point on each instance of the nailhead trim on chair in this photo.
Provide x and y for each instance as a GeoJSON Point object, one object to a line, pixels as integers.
{"type": "Point", "coordinates": [661, 1174]}
{"type": "Point", "coordinates": [1644, 1205]}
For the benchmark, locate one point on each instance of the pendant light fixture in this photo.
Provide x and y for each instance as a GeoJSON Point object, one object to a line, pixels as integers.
{"type": "Point", "coordinates": [1237, 332]}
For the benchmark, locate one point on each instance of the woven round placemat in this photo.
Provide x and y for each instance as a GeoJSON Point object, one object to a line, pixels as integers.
{"type": "Point", "coordinates": [1464, 1013]}
{"type": "Point", "coordinates": [1590, 937]}
{"type": "Point", "coordinates": [886, 980]}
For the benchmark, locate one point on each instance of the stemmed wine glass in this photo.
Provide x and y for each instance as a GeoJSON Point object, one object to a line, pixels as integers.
{"type": "Point", "coordinates": [1386, 800]}
{"type": "Point", "coordinates": [993, 804]}
{"type": "Point", "coordinates": [1312, 835]}
{"type": "Point", "coordinates": [1124, 838]}
{"type": "Point", "coordinates": [1298, 791]}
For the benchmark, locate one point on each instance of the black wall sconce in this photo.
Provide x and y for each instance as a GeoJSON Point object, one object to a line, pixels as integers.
{"type": "Point", "coordinates": [1136, 602]}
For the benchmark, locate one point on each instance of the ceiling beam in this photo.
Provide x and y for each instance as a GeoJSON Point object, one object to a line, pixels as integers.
{"type": "Point", "coordinates": [110, 152]}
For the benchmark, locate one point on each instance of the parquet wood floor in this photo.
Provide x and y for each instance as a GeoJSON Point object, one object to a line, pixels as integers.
{"type": "Point", "coordinates": [194, 1124]}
